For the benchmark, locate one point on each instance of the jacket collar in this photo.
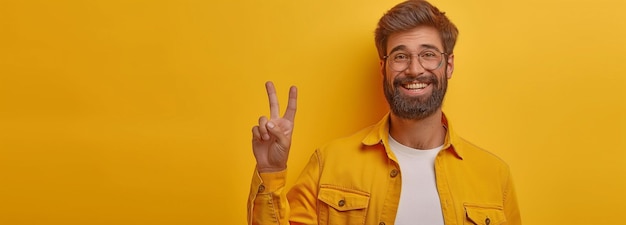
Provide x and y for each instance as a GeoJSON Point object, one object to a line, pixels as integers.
{"type": "Point", "coordinates": [379, 134]}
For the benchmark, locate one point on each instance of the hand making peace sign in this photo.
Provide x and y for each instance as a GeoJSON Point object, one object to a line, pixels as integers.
{"type": "Point", "coordinates": [271, 139]}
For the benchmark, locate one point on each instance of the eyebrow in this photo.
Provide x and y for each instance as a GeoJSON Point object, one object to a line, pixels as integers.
{"type": "Point", "coordinates": [403, 47]}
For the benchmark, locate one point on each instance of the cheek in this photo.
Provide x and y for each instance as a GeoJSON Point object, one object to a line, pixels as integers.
{"type": "Point", "coordinates": [390, 75]}
{"type": "Point", "coordinates": [443, 75]}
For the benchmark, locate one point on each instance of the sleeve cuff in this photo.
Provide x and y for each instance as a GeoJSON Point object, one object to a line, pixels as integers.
{"type": "Point", "coordinates": [269, 182]}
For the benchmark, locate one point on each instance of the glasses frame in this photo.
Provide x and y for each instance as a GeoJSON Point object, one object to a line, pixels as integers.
{"type": "Point", "coordinates": [419, 60]}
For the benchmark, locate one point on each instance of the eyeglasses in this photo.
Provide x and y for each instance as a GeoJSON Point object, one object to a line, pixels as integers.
{"type": "Point", "coordinates": [429, 59]}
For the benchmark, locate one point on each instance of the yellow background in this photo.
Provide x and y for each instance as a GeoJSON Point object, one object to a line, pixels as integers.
{"type": "Point", "coordinates": [139, 112]}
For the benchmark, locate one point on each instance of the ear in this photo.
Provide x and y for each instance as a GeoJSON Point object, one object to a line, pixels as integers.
{"type": "Point", "coordinates": [450, 66]}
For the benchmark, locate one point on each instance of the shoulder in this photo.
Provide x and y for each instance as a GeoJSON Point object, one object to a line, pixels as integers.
{"type": "Point", "coordinates": [475, 155]}
{"type": "Point", "coordinates": [347, 144]}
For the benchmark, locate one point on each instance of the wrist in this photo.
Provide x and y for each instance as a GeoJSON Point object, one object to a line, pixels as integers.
{"type": "Point", "coordinates": [263, 169]}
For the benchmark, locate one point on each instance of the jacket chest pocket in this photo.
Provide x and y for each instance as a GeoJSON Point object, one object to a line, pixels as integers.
{"type": "Point", "coordinates": [342, 206]}
{"type": "Point", "coordinates": [484, 214]}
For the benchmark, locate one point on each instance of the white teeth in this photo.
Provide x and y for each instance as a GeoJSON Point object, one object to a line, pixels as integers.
{"type": "Point", "coordinates": [415, 86]}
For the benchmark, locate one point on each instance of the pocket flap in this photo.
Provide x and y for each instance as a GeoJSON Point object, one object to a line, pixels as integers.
{"type": "Point", "coordinates": [485, 214]}
{"type": "Point", "coordinates": [342, 199]}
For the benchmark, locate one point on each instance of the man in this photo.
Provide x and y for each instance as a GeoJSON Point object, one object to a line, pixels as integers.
{"type": "Point", "coordinates": [410, 168]}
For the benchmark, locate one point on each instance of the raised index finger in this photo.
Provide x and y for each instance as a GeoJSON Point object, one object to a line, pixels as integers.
{"type": "Point", "coordinates": [271, 95]}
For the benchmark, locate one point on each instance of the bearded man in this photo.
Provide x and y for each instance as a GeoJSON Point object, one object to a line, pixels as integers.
{"type": "Point", "coordinates": [409, 168]}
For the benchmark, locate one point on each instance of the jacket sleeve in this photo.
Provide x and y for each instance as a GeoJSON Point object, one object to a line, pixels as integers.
{"type": "Point", "coordinates": [511, 208]}
{"type": "Point", "coordinates": [268, 202]}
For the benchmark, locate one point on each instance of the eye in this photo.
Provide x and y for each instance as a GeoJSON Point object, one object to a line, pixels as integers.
{"type": "Point", "coordinates": [400, 57]}
{"type": "Point", "coordinates": [429, 55]}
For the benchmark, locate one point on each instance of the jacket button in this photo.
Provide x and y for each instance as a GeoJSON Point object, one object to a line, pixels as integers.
{"type": "Point", "coordinates": [393, 173]}
{"type": "Point", "coordinates": [381, 223]}
{"type": "Point", "coordinates": [487, 221]}
{"type": "Point", "coordinates": [261, 188]}
{"type": "Point", "coordinates": [342, 202]}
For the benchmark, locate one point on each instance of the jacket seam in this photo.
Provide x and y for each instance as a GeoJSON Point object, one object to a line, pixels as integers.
{"type": "Point", "coordinates": [505, 192]}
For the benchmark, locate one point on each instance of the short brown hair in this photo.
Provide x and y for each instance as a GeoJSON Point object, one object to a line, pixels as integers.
{"type": "Point", "coordinates": [411, 14]}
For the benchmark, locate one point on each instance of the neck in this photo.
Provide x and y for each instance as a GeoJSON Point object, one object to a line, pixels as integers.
{"type": "Point", "coordinates": [426, 133]}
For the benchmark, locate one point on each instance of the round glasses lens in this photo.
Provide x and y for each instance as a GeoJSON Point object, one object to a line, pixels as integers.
{"type": "Point", "coordinates": [400, 61]}
{"type": "Point", "coordinates": [430, 60]}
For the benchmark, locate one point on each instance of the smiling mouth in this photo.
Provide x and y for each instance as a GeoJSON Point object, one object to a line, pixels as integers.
{"type": "Point", "coordinates": [415, 86]}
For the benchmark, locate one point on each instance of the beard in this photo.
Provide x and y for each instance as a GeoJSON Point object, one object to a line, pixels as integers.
{"type": "Point", "coordinates": [415, 108]}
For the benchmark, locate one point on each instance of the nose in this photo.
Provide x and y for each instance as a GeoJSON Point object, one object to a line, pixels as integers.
{"type": "Point", "coordinates": [415, 67]}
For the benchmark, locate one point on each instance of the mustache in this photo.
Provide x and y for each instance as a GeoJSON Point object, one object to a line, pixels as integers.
{"type": "Point", "coordinates": [421, 79]}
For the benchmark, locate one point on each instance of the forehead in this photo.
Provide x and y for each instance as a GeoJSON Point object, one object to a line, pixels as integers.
{"type": "Point", "coordinates": [415, 39]}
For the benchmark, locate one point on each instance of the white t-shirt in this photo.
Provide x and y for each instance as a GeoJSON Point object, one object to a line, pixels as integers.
{"type": "Point", "coordinates": [419, 199]}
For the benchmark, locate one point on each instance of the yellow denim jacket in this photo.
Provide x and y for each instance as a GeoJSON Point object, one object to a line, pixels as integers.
{"type": "Point", "coordinates": [357, 180]}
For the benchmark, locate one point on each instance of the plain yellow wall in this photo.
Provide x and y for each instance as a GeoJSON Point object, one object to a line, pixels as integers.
{"type": "Point", "coordinates": [139, 112]}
